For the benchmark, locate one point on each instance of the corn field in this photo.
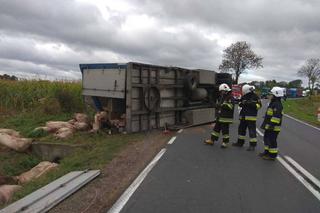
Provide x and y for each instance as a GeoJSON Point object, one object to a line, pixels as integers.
{"type": "Point", "coordinates": [26, 95]}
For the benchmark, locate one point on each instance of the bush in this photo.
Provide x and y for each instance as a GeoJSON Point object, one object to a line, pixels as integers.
{"type": "Point", "coordinates": [50, 106]}
{"type": "Point", "coordinates": [65, 100]}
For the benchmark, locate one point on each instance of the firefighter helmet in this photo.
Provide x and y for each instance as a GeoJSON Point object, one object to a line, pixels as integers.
{"type": "Point", "coordinates": [246, 89]}
{"type": "Point", "coordinates": [277, 91]}
{"type": "Point", "coordinates": [224, 87]}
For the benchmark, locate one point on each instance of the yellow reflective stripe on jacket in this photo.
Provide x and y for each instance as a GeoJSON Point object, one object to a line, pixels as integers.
{"type": "Point", "coordinates": [266, 148]}
{"type": "Point", "coordinates": [225, 120]}
{"type": "Point", "coordinates": [270, 111]}
{"type": "Point", "coordinates": [275, 120]}
{"type": "Point", "coordinates": [228, 105]}
{"type": "Point", "coordinates": [258, 106]}
{"type": "Point", "coordinates": [214, 133]}
{"type": "Point", "coordinates": [250, 118]}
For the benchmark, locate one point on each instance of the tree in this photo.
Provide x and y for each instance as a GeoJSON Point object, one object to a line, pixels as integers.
{"type": "Point", "coordinates": [311, 70]}
{"type": "Point", "coordinates": [8, 77]}
{"type": "Point", "coordinates": [295, 84]}
{"type": "Point", "coordinates": [271, 83]}
{"type": "Point", "coordinates": [239, 57]}
{"type": "Point", "coordinates": [283, 84]}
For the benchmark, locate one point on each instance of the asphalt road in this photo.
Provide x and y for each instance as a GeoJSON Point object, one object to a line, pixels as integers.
{"type": "Point", "coordinates": [193, 177]}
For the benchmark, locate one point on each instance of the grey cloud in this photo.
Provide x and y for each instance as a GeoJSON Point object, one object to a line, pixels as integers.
{"type": "Point", "coordinates": [284, 32]}
{"type": "Point", "coordinates": [240, 15]}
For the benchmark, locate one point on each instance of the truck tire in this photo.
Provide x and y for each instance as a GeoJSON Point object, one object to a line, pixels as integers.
{"type": "Point", "coordinates": [151, 98]}
{"type": "Point", "coordinates": [191, 82]}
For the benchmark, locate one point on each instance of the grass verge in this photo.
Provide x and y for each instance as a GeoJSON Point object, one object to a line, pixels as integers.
{"type": "Point", "coordinates": [304, 109]}
{"type": "Point", "coordinates": [102, 148]}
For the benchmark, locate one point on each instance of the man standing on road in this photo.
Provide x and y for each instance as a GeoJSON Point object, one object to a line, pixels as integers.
{"type": "Point", "coordinates": [271, 124]}
{"type": "Point", "coordinates": [250, 103]}
{"type": "Point", "coordinates": [224, 117]}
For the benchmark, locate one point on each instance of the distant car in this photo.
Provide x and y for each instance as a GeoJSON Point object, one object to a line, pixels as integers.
{"type": "Point", "coordinates": [265, 92]}
{"type": "Point", "coordinates": [304, 93]}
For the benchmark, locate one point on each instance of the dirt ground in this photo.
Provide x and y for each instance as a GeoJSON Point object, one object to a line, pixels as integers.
{"type": "Point", "coordinates": [100, 194]}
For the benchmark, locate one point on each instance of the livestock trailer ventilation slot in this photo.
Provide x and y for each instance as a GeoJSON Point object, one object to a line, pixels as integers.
{"type": "Point", "coordinates": [151, 96]}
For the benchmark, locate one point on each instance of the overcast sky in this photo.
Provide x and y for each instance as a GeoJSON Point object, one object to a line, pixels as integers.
{"type": "Point", "coordinates": [49, 39]}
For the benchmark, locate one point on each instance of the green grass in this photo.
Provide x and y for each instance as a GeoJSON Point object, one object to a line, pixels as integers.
{"type": "Point", "coordinates": [25, 105]}
{"type": "Point", "coordinates": [28, 121]}
{"type": "Point", "coordinates": [13, 163]}
{"type": "Point", "coordinates": [304, 109]}
{"type": "Point", "coordinates": [102, 149]}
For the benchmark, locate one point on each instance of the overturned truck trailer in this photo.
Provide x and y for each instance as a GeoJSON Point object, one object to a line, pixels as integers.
{"type": "Point", "coordinates": [152, 96]}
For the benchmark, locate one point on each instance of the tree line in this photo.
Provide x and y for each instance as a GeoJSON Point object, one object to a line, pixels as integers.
{"type": "Point", "coordinates": [239, 57]}
{"type": "Point", "coordinates": [8, 77]}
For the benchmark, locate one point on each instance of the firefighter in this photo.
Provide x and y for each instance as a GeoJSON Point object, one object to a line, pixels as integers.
{"type": "Point", "coordinates": [272, 124]}
{"type": "Point", "coordinates": [224, 117]}
{"type": "Point", "coordinates": [250, 103]}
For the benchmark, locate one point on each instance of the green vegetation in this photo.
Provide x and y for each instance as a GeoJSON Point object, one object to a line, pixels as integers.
{"type": "Point", "coordinates": [33, 94]}
{"type": "Point", "coordinates": [28, 121]}
{"type": "Point", "coordinates": [25, 105]}
{"type": "Point", "coordinates": [102, 148]}
{"type": "Point", "coordinates": [13, 163]}
{"type": "Point", "coordinates": [304, 109]}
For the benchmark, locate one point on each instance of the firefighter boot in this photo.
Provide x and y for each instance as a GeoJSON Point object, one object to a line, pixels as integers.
{"type": "Point", "coordinates": [209, 142]}
{"type": "Point", "coordinates": [261, 154]}
{"type": "Point", "coordinates": [267, 157]}
{"type": "Point", "coordinates": [224, 145]}
{"type": "Point", "coordinates": [237, 144]}
{"type": "Point", "coordinates": [251, 148]}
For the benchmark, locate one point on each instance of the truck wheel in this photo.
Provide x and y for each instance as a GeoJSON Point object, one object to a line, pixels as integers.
{"type": "Point", "coordinates": [151, 98]}
{"type": "Point", "coordinates": [191, 82]}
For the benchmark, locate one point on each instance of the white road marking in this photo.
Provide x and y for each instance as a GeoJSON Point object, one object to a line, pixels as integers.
{"type": "Point", "coordinates": [259, 132]}
{"type": "Point", "coordinates": [172, 140]}
{"type": "Point", "coordinates": [121, 202]}
{"type": "Point", "coordinates": [303, 171]}
{"type": "Point", "coordinates": [302, 122]}
{"type": "Point", "coordinates": [181, 130]}
{"type": "Point", "coordinates": [299, 177]}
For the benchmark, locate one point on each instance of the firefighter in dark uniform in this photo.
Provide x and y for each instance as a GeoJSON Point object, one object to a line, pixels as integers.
{"type": "Point", "coordinates": [272, 124]}
{"type": "Point", "coordinates": [224, 117]}
{"type": "Point", "coordinates": [250, 103]}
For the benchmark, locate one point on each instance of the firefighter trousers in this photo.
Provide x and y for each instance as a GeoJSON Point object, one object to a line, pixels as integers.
{"type": "Point", "coordinates": [224, 128]}
{"type": "Point", "coordinates": [251, 125]}
{"type": "Point", "coordinates": [270, 143]}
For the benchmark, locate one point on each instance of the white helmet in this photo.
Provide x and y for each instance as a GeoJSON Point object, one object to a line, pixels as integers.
{"type": "Point", "coordinates": [224, 87]}
{"type": "Point", "coordinates": [277, 91]}
{"type": "Point", "coordinates": [247, 88]}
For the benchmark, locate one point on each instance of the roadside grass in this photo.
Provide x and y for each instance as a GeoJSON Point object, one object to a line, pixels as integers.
{"type": "Point", "coordinates": [28, 121]}
{"type": "Point", "coordinates": [102, 149]}
{"type": "Point", "coordinates": [304, 109]}
{"type": "Point", "coordinates": [25, 105]}
{"type": "Point", "coordinates": [13, 163]}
